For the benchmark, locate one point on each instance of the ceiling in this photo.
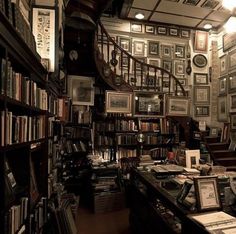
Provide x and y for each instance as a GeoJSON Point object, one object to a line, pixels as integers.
{"type": "Point", "coordinates": [188, 13]}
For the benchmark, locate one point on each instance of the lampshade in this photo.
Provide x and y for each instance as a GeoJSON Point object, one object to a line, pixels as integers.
{"type": "Point", "coordinates": [139, 15]}
{"type": "Point", "coordinates": [230, 25]}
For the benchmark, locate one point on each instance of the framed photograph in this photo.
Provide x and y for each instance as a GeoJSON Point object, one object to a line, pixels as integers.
{"type": "Point", "coordinates": [232, 60]}
{"type": "Point", "coordinates": [174, 32]}
{"type": "Point", "coordinates": [125, 43]}
{"type": "Point", "coordinates": [202, 95]}
{"type": "Point", "coordinates": [223, 85]}
{"type": "Point", "coordinates": [161, 30]}
{"type": "Point", "coordinates": [200, 78]}
{"type": "Point", "coordinates": [138, 65]}
{"type": "Point", "coordinates": [201, 41]}
{"type": "Point", "coordinates": [201, 111]}
{"type": "Point", "coordinates": [179, 51]}
{"type": "Point", "coordinates": [232, 100]}
{"type": "Point", "coordinates": [124, 61]}
{"type": "Point", "coordinates": [154, 62]}
{"type": "Point", "coordinates": [44, 30]}
{"type": "Point", "coordinates": [177, 106]}
{"type": "Point", "coordinates": [139, 48]}
{"type": "Point", "coordinates": [207, 193]}
{"type": "Point", "coordinates": [135, 27]}
{"type": "Point", "coordinates": [192, 158]}
{"type": "Point", "coordinates": [210, 4]}
{"type": "Point", "coordinates": [167, 65]}
{"type": "Point", "coordinates": [150, 29]}
{"type": "Point", "coordinates": [222, 109]}
{"type": "Point", "coordinates": [81, 90]}
{"type": "Point", "coordinates": [232, 82]}
{"type": "Point", "coordinates": [223, 65]}
{"type": "Point", "coordinates": [166, 51]}
{"type": "Point", "coordinates": [185, 33]}
{"type": "Point", "coordinates": [153, 48]}
{"type": "Point", "coordinates": [118, 102]}
{"type": "Point", "coordinates": [179, 68]}
{"type": "Point", "coordinates": [149, 104]}
{"type": "Point", "coordinates": [191, 2]}
{"type": "Point", "coordinates": [229, 40]}
{"type": "Point", "coordinates": [233, 121]}
{"type": "Point", "coordinates": [214, 131]}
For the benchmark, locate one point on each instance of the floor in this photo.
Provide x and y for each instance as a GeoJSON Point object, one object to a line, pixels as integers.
{"type": "Point", "coordinates": [116, 222]}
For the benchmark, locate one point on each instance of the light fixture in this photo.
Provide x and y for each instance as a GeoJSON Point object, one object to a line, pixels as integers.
{"type": "Point", "coordinates": [230, 25]}
{"type": "Point", "coordinates": [207, 26]}
{"type": "Point", "coordinates": [229, 4]}
{"type": "Point", "coordinates": [139, 16]}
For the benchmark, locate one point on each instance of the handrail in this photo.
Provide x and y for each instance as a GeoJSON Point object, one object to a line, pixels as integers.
{"type": "Point", "coordinates": [145, 76]}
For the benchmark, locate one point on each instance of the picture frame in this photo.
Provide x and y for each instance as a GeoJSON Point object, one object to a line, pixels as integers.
{"type": "Point", "coordinates": [229, 41]}
{"type": "Point", "coordinates": [44, 31]}
{"type": "Point", "coordinates": [179, 68]}
{"type": "Point", "coordinates": [179, 51]}
{"type": "Point", "coordinates": [192, 158]}
{"type": "Point", "coordinates": [167, 65]}
{"type": "Point", "coordinates": [233, 121]}
{"type": "Point", "coordinates": [139, 48]}
{"type": "Point", "coordinates": [124, 61]}
{"type": "Point", "coordinates": [177, 106]}
{"type": "Point", "coordinates": [153, 48]}
{"type": "Point", "coordinates": [135, 27]}
{"type": "Point", "coordinates": [166, 51]}
{"type": "Point", "coordinates": [223, 65]}
{"type": "Point", "coordinates": [191, 2]}
{"type": "Point", "coordinates": [210, 4]}
{"type": "Point", "coordinates": [200, 79]}
{"type": "Point", "coordinates": [232, 60]}
{"type": "Point", "coordinates": [138, 66]}
{"type": "Point", "coordinates": [222, 110]}
{"type": "Point", "coordinates": [232, 101]}
{"type": "Point", "coordinates": [202, 95]}
{"type": "Point", "coordinates": [223, 85]}
{"type": "Point", "coordinates": [225, 133]}
{"type": "Point", "coordinates": [202, 111]}
{"type": "Point", "coordinates": [214, 131]}
{"type": "Point", "coordinates": [81, 90]}
{"type": "Point", "coordinates": [149, 104]}
{"type": "Point", "coordinates": [150, 29]}
{"type": "Point", "coordinates": [199, 60]}
{"type": "Point", "coordinates": [154, 62]}
{"type": "Point", "coordinates": [125, 43]}
{"type": "Point", "coordinates": [161, 30]}
{"type": "Point", "coordinates": [174, 32]}
{"type": "Point", "coordinates": [118, 102]}
{"type": "Point", "coordinates": [207, 193]}
{"type": "Point", "coordinates": [201, 41]}
{"type": "Point", "coordinates": [232, 82]}
{"type": "Point", "coordinates": [166, 85]}
{"type": "Point", "coordinates": [185, 33]}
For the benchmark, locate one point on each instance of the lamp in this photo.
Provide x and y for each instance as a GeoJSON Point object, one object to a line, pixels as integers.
{"type": "Point", "coordinates": [230, 25]}
{"type": "Point", "coordinates": [229, 4]}
{"type": "Point", "coordinates": [139, 16]}
{"type": "Point", "coordinates": [208, 26]}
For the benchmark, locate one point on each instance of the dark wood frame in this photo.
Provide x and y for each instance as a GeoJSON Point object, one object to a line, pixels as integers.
{"type": "Point", "coordinates": [202, 111]}
{"type": "Point", "coordinates": [182, 49]}
{"type": "Point", "coordinates": [223, 85]}
{"type": "Point", "coordinates": [196, 98]}
{"type": "Point", "coordinates": [137, 52]}
{"type": "Point", "coordinates": [201, 76]}
{"type": "Point", "coordinates": [222, 113]}
{"type": "Point", "coordinates": [153, 48]}
{"type": "Point", "coordinates": [127, 41]}
{"type": "Point", "coordinates": [161, 30]}
{"type": "Point", "coordinates": [201, 41]}
{"type": "Point", "coordinates": [132, 25]}
{"type": "Point", "coordinates": [151, 27]}
{"type": "Point", "coordinates": [232, 82]}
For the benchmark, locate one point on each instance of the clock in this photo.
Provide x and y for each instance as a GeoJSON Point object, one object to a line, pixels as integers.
{"type": "Point", "coordinates": [140, 137]}
{"type": "Point", "coordinates": [73, 55]}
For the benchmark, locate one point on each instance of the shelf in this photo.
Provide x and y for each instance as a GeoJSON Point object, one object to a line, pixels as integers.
{"type": "Point", "coordinates": [79, 125]}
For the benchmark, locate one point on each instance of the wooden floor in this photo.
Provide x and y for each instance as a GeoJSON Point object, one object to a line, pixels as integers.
{"type": "Point", "coordinates": [116, 222]}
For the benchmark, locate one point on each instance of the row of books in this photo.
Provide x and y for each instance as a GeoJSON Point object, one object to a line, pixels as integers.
{"type": "Point", "coordinates": [124, 125]}
{"type": "Point", "coordinates": [126, 140]}
{"type": "Point", "coordinates": [74, 147]}
{"type": "Point", "coordinates": [126, 153]}
{"type": "Point", "coordinates": [107, 126]}
{"type": "Point", "coordinates": [19, 129]}
{"type": "Point", "coordinates": [73, 132]}
{"type": "Point", "coordinates": [103, 140]}
{"type": "Point", "coordinates": [81, 115]}
{"type": "Point", "coordinates": [149, 126]}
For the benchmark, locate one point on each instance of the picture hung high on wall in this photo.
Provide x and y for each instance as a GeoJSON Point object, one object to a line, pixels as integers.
{"type": "Point", "coordinates": [177, 106]}
{"type": "Point", "coordinates": [201, 41]}
{"type": "Point", "coordinates": [153, 48]}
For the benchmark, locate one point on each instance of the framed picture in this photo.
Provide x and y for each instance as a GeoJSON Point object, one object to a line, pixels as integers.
{"type": "Point", "coordinates": [229, 40]}
{"type": "Point", "coordinates": [201, 111]}
{"type": "Point", "coordinates": [232, 100]}
{"type": "Point", "coordinates": [139, 47]}
{"type": "Point", "coordinates": [138, 65]}
{"type": "Point", "coordinates": [135, 27]}
{"type": "Point", "coordinates": [214, 131]}
{"type": "Point", "coordinates": [154, 62]}
{"type": "Point", "coordinates": [201, 41]}
{"type": "Point", "coordinates": [81, 90]}
{"type": "Point", "coordinates": [225, 134]}
{"type": "Point", "coordinates": [150, 29]}
{"type": "Point", "coordinates": [223, 65]}
{"type": "Point", "coordinates": [177, 106]}
{"type": "Point", "coordinates": [185, 33]}
{"type": "Point", "coordinates": [179, 51]}
{"type": "Point", "coordinates": [232, 60]}
{"type": "Point", "coordinates": [210, 4]}
{"type": "Point", "coordinates": [233, 121]}
{"type": "Point", "coordinates": [202, 94]}
{"type": "Point", "coordinates": [223, 85]}
{"type": "Point", "coordinates": [167, 65]}
{"type": "Point", "coordinates": [232, 82]}
{"type": "Point", "coordinates": [174, 32]}
{"type": "Point", "coordinates": [222, 109]}
{"type": "Point", "coordinates": [179, 68]}
{"type": "Point", "coordinates": [166, 84]}
{"type": "Point", "coordinates": [44, 30]}
{"type": "Point", "coordinates": [200, 78]}
{"type": "Point", "coordinates": [125, 43]}
{"type": "Point", "coordinates": [118, 102]}
{"type": "Point", "coordinates": [191, 2]}
{"type": "Point", "coordinates": [153, 48]}
{"type": "Point", "coordinates": [207, 193]}
{"type": "Point", "coordinates": [124, 61]}
{"type": "Point", "coordinates": [192, 158]}
{"type": "Point", "coordinates": [166, 51]}
{"type": "Point", "coordinates": [149, 104]}
{"type": "Point", "coordinates": [161, 30]}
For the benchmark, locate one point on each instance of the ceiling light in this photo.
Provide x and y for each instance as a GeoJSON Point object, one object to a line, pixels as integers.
{"type": "Point", "coordinates": [230, 25]}
{"type": "Point", "coordinates": [139, 16]}
{"type": "Point", "coordinates": [229, 4]}
{"type": "Point", "coordinates": [207, 26]}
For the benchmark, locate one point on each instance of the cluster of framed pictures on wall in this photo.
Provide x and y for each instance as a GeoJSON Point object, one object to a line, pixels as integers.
{"type": "Point", "coordinates": [146, 104]}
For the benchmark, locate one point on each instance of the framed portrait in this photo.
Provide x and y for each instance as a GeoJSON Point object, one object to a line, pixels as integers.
{"type": "Point", "coordinates": [177, 106]}
{"type": "Point", "coordinates": [81, 90]}
{"type": "Point", "coordinates": [222, 109]}
{"type": "Point", "coordinates": [153, 48]}
{"type": "Point", "coordinates": [210, 4]}
{"type": "Point", "coordinates": [201, 41]}
{"type": "Point", "coordinates": [232, 101]}
{"type": "Point", "coordinates": [233, 121]}
{"type": "Point", "coordinates": [232, 82]}
{"type": "Point", "coordinates": [191, 2]}
{"type": "Point", "coordinates": [202, 95]}
{"type": "Point", "coordinates": [150, 29]}
{"type": "Point", "coordinates": [149, 104]}
{"type": "Point", "coordinates": [185, 33]}
{"type": "Point", "coordinates": [161, 30]}
{"type": "Point", "coordinates": [223, 65]}
{"type": "Point", "coordinates": [179, 51]}
{"type": "Point", "coordinates": [167, 65]}
{"type": "Point", "coordinates": [232, 60]}
{"type": "Point", "coordinates": [179, 68]}
{"type": "Point", "coordinates": [201, 111]}
{"type": "Point", "coordinates": [192, 158]}
{"type": "Point", "coordinates": [125, 43]}
{"type": "Point", "coordinates": [44, 26]}
{"type": "Point", "coordinates": [229, 40]}
{"type": "Point", "coordinates": [174, 32]}
{"type": "Point", "coordinates": [207, 193]}
{"type": "Point", "coordinates": [166, 51]}
{"type": "Point", "coordinates": [200, 79]}
{"type": "Point", "coordinates": [223, 85]}
{"type": "Point", "coordinates": [118, 102]}
{"type": "Point", "coordinates": [139, 48]}
{"type": "Point", "coordinates": [135, 27]}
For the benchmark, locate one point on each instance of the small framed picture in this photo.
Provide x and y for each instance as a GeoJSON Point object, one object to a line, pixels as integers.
{"type": "Point", "coordinates": [139, 48]}
{"type": "Point", "coordinates": [223, 65]}
{"type": "Point", "coordinates": [174, 32]}
{"type": "Point", "coordinates": [201, 111]}
{"type": "Point", "coordinates": [207, 193]}
{"type": "Point", "coordinates": [161, 30]}
{"type": "Point", "coordinates": [137, 65]}
{"type": "Point", "coordinates": [202, 94]}
{"type": "Point", "coordinates": [233, 121]}
{"type": "Point", "coordinates": [179, 51]}
{"type": "Point", "coordinates": [185, 33]}
{"type": "Point", "coordinates": [150, 29]}
{"type": "Point", "coordinates": [192, 158]}
{"type": "Point", "coordinates": [153, 48]}
{"type": "Point", "coordinates": [210, 4]}
{"type": "Point", "coordinates": [124, 61]}
{"type": "Point", "coordinates": [166, 85]}
{"type": "Point", "coordinates": [177, 106]}
{"type": "Point", "coordinates": [223, 85]}
{"type": "Point", "coordinates": [135, 27]}
{"type": "Point", "coordinates": [154, 62]}
{"type": "Point", "coordinates": [191, 2]}
{"type": "Point", "coordinates": [200, 78]}
{"type": "Point", "coordinates": [232, 100]}
{"type": "Point", "coordinates": [232, 60]}
{"type": "Point", "coordinates": [167, 65]}
{"type": "Point", "coordinates": [222, 109]}
{"type": "Point", "coordinates": [166, 51]}
{"type": "Point", "coordinates": [201, 41]}
{"type": "Point", "coordinates": [232, 82]}
{"type": "Point", "coordinates": [125, 43]}
{"type": "Point", "coordinates": [118, 102]}
{"type": "Point", "coordinates": [214, 131]}
{"type": "Point", "coordinates": [179, 68]}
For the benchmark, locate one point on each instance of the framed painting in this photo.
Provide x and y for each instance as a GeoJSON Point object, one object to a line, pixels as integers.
{"type": "Point", "coordinates": [232, 60]}
{"type": "Point", "coordinates": [192, 158]}
{"type": "Point", "coordinates": [138, 65]}
{"type": "Point", "coordinates": [223, 65]}
{"type": "Point", "coordinates": [166, 51]}
{"type": "Point", "coordinates": [202, 95]}
{"type": "Point", "coordinates": [125, 43]}
{"type": "Point", "coordinates": [229, 40]}
{"type": "Point", "coordinates": [222, 109]}
{"type": "Point", "coordinates": [179, 51]}
{"type": "Point", "coordinates": [210, 4]}
{"type": "Point", "coordinates": [179, 68]}
{"type": "Point", "coordinates": [167, 65]}
{"type": "Point", "coordinates": [201, 41]}
{"type": "Point", "coordinates": [139, 48]}
{"type": "Point", "coordinates": [232, 101]}
{"type": "Point", "coordinates": [232, 82]}
{"type": "Point", "coordinates": [201, 111]}
{"type": "Point", "coordinates": [81, 90]}
{"type": "Point", "coordinates": [185, 33]}
{"type": "Point", "coordinates": [177, 106]}
{"type": "Point", "coordinates": [135, 27]}
{"type": "Point", "coordinates": [174, 32]}
{"type": "Point", "coordinates": [118, 102]}
{"type": "Point", "coordinates": [161, 30]}
{"type": "Point", "coordinates": [154, 62]}
{"type": "Point", "coordinates": [200, 79]}
{"type": "Point", "coordinates": [153, 48]}
{"type": "Point", "coordinates": [191, 2]}
{"type": "Point", "coordinates": [223, 85]}
{"type": "Point", "coordinates": [150, 29]}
